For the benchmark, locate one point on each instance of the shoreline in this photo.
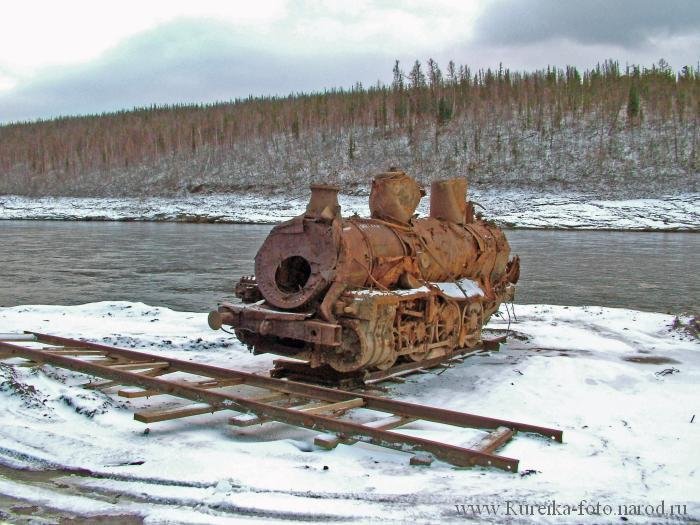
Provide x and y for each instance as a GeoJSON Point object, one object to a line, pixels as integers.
{"type": "Point", "coordinates": [209, 220]}
{"type": "Point", "coordinates": [513, 210]}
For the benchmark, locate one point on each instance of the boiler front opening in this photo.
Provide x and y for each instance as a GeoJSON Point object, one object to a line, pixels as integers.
{"type": "Point", "coordinates": [292, 274]}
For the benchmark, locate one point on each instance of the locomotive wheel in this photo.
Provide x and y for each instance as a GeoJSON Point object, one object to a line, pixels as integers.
{"type": "Point", "coordinates": [357, 352]}
{"type": "Point", "coordinates": [388, 362]}
{"type": "Point", "coordinates": [472, 321]}
{"type": "Point", "coordinates": [446, 327]}
{"type": "Point", "coordinates": [419, 335]}
{"type": "Point", "coordinates": [351, 355]}
{"type": "Point", "coordinates": [385, 353]}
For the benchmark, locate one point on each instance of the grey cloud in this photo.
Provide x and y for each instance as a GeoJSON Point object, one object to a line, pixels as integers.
{"type": "Point", "coordinates": [185, 61]}
{"type": "Point", "coordinates": [626, 23]}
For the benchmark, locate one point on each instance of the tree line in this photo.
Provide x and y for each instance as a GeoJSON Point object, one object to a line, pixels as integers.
{"type": "Point", "coordinates": [484, 112]}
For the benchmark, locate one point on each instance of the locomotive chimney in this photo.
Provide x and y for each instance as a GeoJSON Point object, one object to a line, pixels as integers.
{"type": "Point", "coordinates": [324, 202]}
{"type": "Point", "coordinates": [448, 200]}
{"type": "Point", "coordinates": [394, 196]}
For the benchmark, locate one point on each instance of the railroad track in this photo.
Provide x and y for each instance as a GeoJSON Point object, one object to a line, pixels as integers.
{"type": "Point", "coordinates": [256, 399]}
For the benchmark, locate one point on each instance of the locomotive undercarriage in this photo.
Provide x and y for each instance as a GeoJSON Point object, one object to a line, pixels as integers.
{"type": "Point", "coordinates": [373, 329]}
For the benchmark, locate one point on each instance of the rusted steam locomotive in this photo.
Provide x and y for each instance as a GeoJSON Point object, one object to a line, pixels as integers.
{"type": "Point", "coordinates": [358, 294]}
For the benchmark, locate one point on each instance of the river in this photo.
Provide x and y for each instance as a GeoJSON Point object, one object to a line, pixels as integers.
{"type": "Point", "coordinates": [192, 266]}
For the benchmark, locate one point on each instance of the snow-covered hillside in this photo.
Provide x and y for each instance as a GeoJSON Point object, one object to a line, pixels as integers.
{"type": "Point", "coordinates": [621, 384]}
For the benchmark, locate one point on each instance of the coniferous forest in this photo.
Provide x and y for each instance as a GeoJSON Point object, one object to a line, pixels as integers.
{"type": "Point", "coordinates": [611, 130]}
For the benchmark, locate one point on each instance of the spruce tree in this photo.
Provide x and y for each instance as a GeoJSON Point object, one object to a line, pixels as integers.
{"type": "Point", "coordinates": [633, 103]}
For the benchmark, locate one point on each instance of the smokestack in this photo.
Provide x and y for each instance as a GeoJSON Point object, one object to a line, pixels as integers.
{"type": "Point", "coordinates": [324, 202]}
{"type": "Point", "coordinates": [448, 200]}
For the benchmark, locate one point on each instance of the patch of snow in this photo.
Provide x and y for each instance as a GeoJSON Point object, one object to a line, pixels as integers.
{"type": "Point", "coordinates": [464, 288]}
{"type": "Point", "coordinates": [373, 292]}
{"type": "Point", "coordinates": [622, 385]}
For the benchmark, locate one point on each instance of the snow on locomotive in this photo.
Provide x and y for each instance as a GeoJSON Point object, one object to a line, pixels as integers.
{"type": "Point", "coordinates": [359, 294]}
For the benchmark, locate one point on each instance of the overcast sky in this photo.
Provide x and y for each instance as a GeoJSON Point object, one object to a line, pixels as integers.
{"type": "Point", "coordinates": [85, 56]}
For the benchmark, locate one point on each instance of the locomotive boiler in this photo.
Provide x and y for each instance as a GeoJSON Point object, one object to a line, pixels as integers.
{"type": "Point", "coordinates": [361, 293]}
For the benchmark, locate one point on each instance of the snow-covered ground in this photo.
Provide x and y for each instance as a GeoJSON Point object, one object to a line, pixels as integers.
{"type": "Point", "coordinates": [621, 384]}
{"type": "Point", "coordinates": [519, 209]}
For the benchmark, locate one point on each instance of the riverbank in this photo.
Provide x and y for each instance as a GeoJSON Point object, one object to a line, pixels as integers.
{"type": "Point", "coordinates": [510, 209]}
{"type": "Point", "coordinates": [620, 383]}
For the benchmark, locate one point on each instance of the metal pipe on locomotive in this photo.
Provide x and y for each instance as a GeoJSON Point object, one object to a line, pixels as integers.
{"type": "Point", "coordinates": [360, 293]}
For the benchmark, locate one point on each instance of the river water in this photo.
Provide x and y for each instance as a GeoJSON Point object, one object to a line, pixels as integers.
{"type": "Point", "coordinates": [192, 266]}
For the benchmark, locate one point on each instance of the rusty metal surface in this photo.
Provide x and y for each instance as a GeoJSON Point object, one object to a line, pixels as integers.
{"type": "Point", "coordinates": [394, 197]}
{"type": "Point", "coordinates": [290, 325]}
{"type": "Point", "coordinates": [297, 262]}
{"type": "Point", "coordinates": [246, 290]}
{"type": "Point", "coordinates": [323, 203]}
{"type": "Point", "coordinates": [115, 366]}
{"type": "Point", "coordinates": [448, 200]}
{"type": "Point", "coordinates": [317, 262]}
